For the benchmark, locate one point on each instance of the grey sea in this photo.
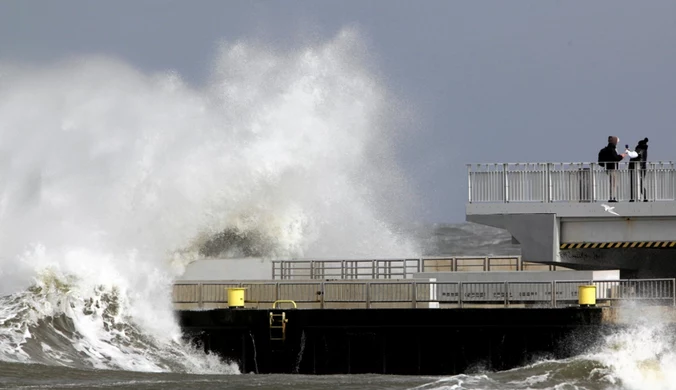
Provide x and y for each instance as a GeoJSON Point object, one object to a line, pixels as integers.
{"type": "Point", "coordinates": [63, 351]}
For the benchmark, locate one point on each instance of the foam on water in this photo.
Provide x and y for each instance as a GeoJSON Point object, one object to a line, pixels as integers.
{"type": "Point", "coordinates": [111, 180]}
{"type": "Point", "coordinates": [642, 356]}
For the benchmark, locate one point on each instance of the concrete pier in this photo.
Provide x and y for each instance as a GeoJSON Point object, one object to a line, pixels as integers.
{"type": "Point", "coordinates": [426, 323]}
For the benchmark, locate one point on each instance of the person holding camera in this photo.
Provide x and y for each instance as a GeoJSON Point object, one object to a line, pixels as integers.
{"type": "Point", "coordinates": [637, 170]}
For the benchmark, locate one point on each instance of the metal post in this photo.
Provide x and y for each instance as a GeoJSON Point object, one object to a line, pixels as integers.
{"type": "Point", "coordinates": [486, 265]}
{"type": "Point", "coordinates": [673, 292]}
{"type": "Point", "coordinates": [276, 291]}
{"type": "Point", "coordinates": [542, 168]}
{"type": "Point", "coordinates": [593, 182]}
{"type": "Point", "coordinates": [506, 294]}
{"type": "Point", "coordinates": [505, 183]}
{"type": "Point", "coordinates": [460, 295]}
{"type": "Point", "coordinates": [553, 293]}
{"type": "Point", "coordinates": [368, 294]}
{"type": "Point", "coordinates": [654, 182]}
{"type": "Point", "coordinates": [200, 302]}
{"type": "Point", "coordinates": [469, 182]}
{"type": "Point", "coordinates": [548, 174]}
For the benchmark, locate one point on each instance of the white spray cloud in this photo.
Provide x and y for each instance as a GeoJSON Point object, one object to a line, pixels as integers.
{"type": "Point", "coordinates": [106, 172]}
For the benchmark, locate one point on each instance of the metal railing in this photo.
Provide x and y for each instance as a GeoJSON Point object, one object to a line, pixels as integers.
{"type": "Point", "coordinates": [421, 293]}
{"type": "Point", "coordinates": [398, 268]}
{"type": "Point", "coordinates": [345, 269]}
{"type": "Point", "coordinates": [569, 182]}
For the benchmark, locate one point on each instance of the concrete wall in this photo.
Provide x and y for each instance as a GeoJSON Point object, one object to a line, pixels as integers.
{"type": "Point", "coordinates": [393, 341]}
{"type": "Point", "coordinates": [538, 234]}
{"type": "Point", "coordinates": [618, 229]}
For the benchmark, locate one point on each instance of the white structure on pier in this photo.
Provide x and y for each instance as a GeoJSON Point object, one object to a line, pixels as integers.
{"type": "Point", "coordinates": [560, 213]}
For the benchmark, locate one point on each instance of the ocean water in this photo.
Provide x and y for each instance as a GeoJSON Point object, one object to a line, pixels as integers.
{"type": "Point", "coordinates": [113, 180]}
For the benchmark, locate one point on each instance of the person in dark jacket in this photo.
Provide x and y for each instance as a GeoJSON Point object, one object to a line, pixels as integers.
{"type": "Point", "coordinates": [611, 158]}
{"type": "Point", "coordinates": [637, 171]}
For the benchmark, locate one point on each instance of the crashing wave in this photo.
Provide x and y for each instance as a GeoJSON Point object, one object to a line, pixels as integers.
{"type": "Point", "coordinates": [55, 321]}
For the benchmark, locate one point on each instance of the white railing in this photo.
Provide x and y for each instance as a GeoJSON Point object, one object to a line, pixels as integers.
{"type": "Point", "coordinates": [569, 182]}
{"type": "Point", "coordinates": [413, 293]}
{"type": "Point", "coordinates": [398, 268]}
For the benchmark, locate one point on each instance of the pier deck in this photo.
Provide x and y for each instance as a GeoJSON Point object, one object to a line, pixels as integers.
{"type": "Point", "coordinates": [409, 322]}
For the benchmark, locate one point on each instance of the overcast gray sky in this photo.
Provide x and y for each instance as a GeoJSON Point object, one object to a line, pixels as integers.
{"type": "Point", "coordinates": [490, 81]}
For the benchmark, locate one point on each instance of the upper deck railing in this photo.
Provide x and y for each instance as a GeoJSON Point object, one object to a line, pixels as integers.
{"type": "Point", "coordinates": [569, 182]}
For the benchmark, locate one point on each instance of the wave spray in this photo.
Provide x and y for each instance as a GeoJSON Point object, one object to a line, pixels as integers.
{"type": "Point", "coordinates": [112, 180]}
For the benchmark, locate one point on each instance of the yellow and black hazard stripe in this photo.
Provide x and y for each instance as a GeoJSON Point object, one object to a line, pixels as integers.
{"type": "Point", "coordinates": [612, 245]}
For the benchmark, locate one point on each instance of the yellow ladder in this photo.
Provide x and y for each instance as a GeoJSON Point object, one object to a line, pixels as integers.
{"type": "Point", "coordinates": [278, 326]}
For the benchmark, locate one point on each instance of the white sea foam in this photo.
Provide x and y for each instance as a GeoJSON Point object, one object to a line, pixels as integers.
{"type": "Point", "coordinates": [111, 179]}
{"type": "Point", "coordinates": [643, 355]}
{"type": "Point", "coordinates": [639, 356]}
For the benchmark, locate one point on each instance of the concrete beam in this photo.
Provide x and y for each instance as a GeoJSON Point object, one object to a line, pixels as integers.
{"type": "Point", "coordinates": [581, 210]}
{"type": "Point", "coordinates": [614, 230]}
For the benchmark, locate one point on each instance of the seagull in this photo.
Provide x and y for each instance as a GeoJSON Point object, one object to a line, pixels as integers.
{"type": "Point", "coordinates": [609, 209]}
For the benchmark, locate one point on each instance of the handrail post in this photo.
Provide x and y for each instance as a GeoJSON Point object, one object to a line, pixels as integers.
{"type": "Point", "coordinates": [414, 295]}
{"type": "Point", "coordinates": [554, 293]}
{"type": "Point", "coordinates": [368, 294]}
{"type": "Point", "coordinates": [505, 183]}
{"type": "Point", "coordinates": [200, 297]}
{"type": "Point", "coordinates": [548, 175]}
{"type": "Point", "coordinates": [654, 182]}
{"type": "Point", "coordinates": [592, 177]}
{"type": "Point", "coordinates": [460, 294]}
{"type": "Point", "coordinates": [469, 183]}
{"type": "Point", "coordinates": [673, 292]}
{"type": "Point", "coordinates": [506, 293]}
